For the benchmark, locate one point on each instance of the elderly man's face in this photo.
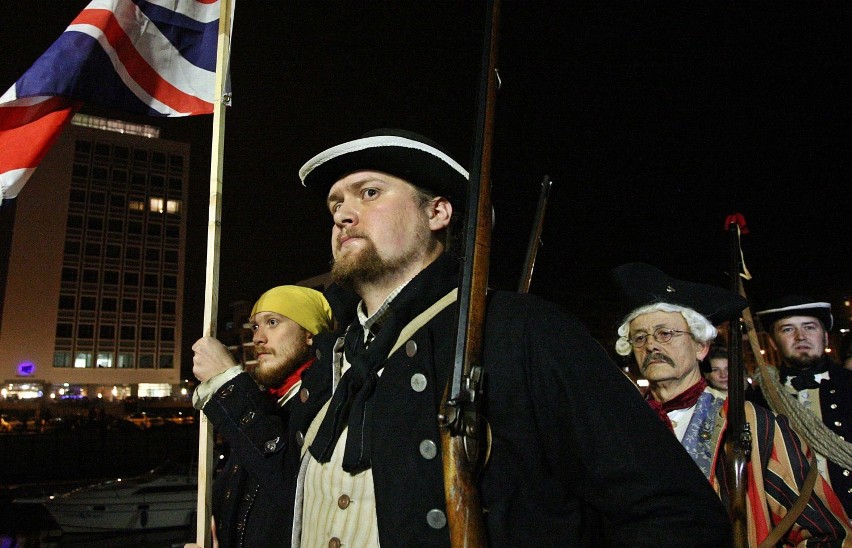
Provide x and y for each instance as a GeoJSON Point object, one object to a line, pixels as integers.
{"type": "Point", "coordinates": [800, 339]}
{"type": "Point", "coordinates": [675, 360]}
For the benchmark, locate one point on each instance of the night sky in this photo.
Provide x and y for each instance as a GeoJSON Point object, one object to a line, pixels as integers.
{"type": "Point", "coordinates": [654, 121]}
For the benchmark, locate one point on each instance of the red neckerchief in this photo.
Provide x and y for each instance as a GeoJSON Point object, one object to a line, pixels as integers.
{"type": "Point", "coordinates": [294, 377]}
{"type": "Point", "coordinates": [684, 400]}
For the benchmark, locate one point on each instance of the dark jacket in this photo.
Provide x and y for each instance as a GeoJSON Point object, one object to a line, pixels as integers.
{"type": "Point", "coordinates": [835, 411]}
{"type": "Point", "coordinates": [249, 493]}
{"type": "Point", "coordinates": [578, 458]}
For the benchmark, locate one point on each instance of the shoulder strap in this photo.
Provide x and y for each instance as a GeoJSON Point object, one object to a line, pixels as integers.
{"type": "Point", "coordinates": [419, 321]}
{"type": "Point", "coordinates": [423, 318]}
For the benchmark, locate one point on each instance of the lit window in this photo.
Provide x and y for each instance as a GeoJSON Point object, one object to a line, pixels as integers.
{"type": "Point", "coordinates": [173, 206]}
{"type": "Point", "coordinates": [104, 359]}
{"type": "Point", "coordinates": [157, 205]}
{"type": "Point", "coordinates": [136, 205]}
{"type": "Point", "coordinates": [83, 360]}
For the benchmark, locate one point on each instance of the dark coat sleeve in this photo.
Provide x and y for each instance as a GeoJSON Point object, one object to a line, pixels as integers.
{"type": "Point", "coordinates": [575, 448]}
{"type": "Point", "coordinates": [255, 429]}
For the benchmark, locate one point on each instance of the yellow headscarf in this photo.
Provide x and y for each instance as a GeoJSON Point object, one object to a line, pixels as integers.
{"type": "Point", "coordinates": [307, 307]}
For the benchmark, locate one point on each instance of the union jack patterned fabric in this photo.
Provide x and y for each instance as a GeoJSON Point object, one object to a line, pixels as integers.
{"type": "Point", "coordinates": [150, 57]}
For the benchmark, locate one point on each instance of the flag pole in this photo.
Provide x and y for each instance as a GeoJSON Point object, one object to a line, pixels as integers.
{"type": "Point", "coordinates": [211, 285]}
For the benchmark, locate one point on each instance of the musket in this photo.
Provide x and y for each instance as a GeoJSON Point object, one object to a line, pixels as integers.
{"type": "Point", "coordinates": [461, 425]}
{"type": "Point", "coordinates": [535, 236]}
{"type": "Point", "coordinates": [738, 440]}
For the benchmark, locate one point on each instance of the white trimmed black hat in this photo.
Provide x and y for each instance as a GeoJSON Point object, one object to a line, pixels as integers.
{"type": "Point", "coordinates": [400, 153]}
{"type": "Point", "coordinates": [641, 284]}
{"type": "Point", "coordinates": [797, 305]}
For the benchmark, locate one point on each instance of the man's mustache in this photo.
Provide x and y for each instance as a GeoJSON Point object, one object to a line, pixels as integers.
{"type": "Point", "coordinates": [656, 357]}
{"type": "Point", "coordinates": [350, 233]}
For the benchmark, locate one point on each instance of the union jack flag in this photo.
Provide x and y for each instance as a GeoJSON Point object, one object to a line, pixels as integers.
{"type": "Point", "coordinates": [150, 57]}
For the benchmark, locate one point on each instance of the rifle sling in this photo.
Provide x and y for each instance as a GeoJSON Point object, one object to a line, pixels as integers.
{"type": "Point", "coordinates": [419, 321]}
{"type": "Point", "coordinates": [795, 511]}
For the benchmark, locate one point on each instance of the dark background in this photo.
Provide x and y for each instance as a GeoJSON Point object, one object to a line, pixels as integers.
{"type": "Point", "coordinates": [655, 122]}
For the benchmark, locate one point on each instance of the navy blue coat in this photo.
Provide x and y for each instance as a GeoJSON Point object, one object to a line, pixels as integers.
{"type": "Point", "coordinates": [578, 458]}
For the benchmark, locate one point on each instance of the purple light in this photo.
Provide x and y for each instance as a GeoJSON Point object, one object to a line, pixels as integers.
{"type": "Point", "coordinates": [26, 369]}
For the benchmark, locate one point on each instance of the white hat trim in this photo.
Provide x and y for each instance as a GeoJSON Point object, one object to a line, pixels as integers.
{"type": "Point", "coordinates": [795, 307]}
{"type": "Point", "coordinates": [375, 142]}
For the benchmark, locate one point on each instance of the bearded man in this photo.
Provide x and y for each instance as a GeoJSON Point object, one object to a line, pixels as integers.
{"type": "Point", "coordinates": [249, 409]}
{"type": "Point", "coordinates": [668, 329]}
{"type": "Point", "coordinates": [798, 327]}
{"type": "Point", "coordinates": [577, 458]}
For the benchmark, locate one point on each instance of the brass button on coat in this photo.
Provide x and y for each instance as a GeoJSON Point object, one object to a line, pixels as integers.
{"type": "Point", "coordinates": [334, 542]}
{"type": "Point", "coordinates": [304, 394]}
{"type": "Point", "coordinates": [343, 502]}
{"type": "Point", "coordinates": [410, 349]}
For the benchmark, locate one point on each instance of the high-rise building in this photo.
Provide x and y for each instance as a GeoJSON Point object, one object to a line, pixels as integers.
{"type": "Point", "coordinates": [93, 294]}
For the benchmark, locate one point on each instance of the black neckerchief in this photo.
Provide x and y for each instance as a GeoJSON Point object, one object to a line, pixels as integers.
{"type": "Point", "coordinates": [802, 379]}
{"type": "Point", "coordinates": [351, 404]}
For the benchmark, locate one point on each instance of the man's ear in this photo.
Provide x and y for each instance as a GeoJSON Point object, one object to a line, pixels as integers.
{"type": "Point", "coordinates": [309, 338]}
{"type": "Point", "coordinates": [702, 351]}
{"type": "Point", "coordinates": [440, 212]}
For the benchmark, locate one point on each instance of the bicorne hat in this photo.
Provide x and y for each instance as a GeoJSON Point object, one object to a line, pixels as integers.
{"type": "Point", "coordinates": [642, 284]}
{"type": "Point", "coordinates": [796, 305]}
{"type": "Point", "coordinates": [400, 153]}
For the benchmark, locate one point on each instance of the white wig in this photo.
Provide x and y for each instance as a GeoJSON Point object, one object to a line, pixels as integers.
{"type": "Point", "coordinates": [700, 327]}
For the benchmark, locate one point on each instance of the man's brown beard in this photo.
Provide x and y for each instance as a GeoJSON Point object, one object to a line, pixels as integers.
{"type": "Point", "coordinates": [366, 266]}
{"type": "Point", "coordinates": [355, 267]}
{"type": "Point", "coordinates": [803, 362]}
{"type": "Point", "coordinates": [295, 354]}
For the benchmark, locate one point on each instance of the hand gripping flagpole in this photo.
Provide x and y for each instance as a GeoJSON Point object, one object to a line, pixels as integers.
{"type": "Point", "coordinates": [204, 508]}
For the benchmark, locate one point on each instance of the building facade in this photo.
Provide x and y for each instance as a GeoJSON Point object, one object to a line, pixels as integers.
{"type": "Point", "coordinates": [93, 297]}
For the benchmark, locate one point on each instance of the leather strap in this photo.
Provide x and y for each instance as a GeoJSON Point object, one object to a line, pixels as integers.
{"type": "Point", "coordinates": [419, 321]}
{"type": "Point", "coordinates": [795, 511]}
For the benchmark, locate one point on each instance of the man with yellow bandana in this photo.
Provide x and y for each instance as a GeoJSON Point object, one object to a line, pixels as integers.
{"type": "Point", "coordinates": [249, 408]}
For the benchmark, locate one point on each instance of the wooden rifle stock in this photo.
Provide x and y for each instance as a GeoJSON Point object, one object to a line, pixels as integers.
{"type": "Point", "coordinates": [460, 421]}
{"type": "Point", "coordinates": [738, 440]}
{"type": "Point", "coordinates": [535, 236]}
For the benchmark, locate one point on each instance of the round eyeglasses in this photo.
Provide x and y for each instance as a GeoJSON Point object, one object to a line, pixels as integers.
{"type": "Point", "coordinates": [662, 335]}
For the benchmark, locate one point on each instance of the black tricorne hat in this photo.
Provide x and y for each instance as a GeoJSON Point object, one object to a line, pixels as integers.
{"type": "Point", "coordinates": [642, 284]}
{"type": "Point", "coordinates": [796, 305]}
{"type": "Point", "coordinates": [397, 152]}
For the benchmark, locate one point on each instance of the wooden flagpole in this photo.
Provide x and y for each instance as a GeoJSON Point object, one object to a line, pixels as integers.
{"type": "Point", "coordinates": [211, 286]}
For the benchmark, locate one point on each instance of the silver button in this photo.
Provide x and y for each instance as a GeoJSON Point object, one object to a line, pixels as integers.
{"type": "Point", "coordinates": [410, 348]}
{"type": "Point", "coordinates": [272, 445]}
{"type": "Point", "coordinates": [832, 391]}
{"type": "Point", "coordinates": [436, 519]}
{"type": "Point", "coordinates": [838, 423]}
{"type": "Point", "coordinates": [300, 438]}
{"type": "Point", "coordinates": [846, 473]}
{"type": "Point", "coordinates": [247, 418]}
{"type": "Point", "coordinates": [833, 406]}
{"type": "Point", "coordinates": [318, 354]}
{"type": "Point", "coordinates": [418, 382]}
{"type": "Point", "coordinates": [428, 449]}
